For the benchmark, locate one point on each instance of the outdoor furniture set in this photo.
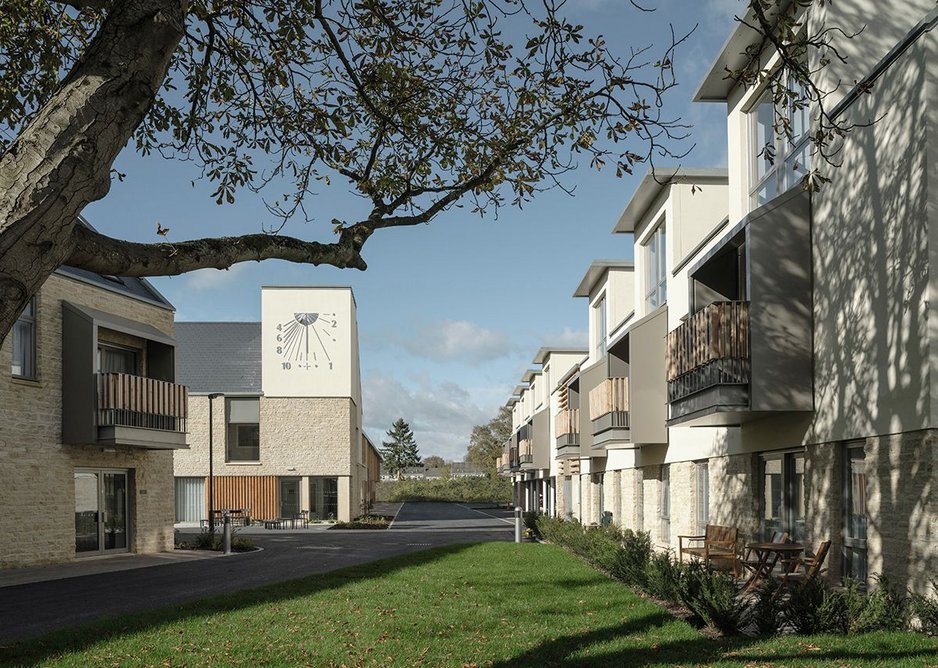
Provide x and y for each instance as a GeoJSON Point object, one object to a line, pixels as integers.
{"type": "Point", "coordinates": [718, 547]}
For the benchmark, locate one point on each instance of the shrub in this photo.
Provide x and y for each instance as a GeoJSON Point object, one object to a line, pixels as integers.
{"type": "Point", "coordinates": [925, 609]}
{"type": "Point", "coordinates": [800, 609]}
{"type": "Point", "coordinates": [663, 577]}
{"type": "Point", "coordinates": [631, 565]}
{"type": "Point", "coordinates": [716, 601]}
{"type": "Point", "coordinates": [209, 541]}
{"type": "Point", "coordinates": [530, 521]}
{"type": "Point", "coordinates": [767, 607]}
{"type": "Point", "coordinates": [885, 609]}
{"type": "Point", "coordinates": [454, 490]}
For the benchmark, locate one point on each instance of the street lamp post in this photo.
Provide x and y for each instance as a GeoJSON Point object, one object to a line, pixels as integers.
{"type": "Point", "coordinates": [211, 462]}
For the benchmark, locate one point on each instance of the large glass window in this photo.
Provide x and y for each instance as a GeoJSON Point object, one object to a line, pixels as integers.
{"type": "Point", "coordinates": [600, 323]}
{"type": "Point", "coordinates": [664, 505]}
{"type": "Point", "coordinates": [782, 495]}
{"type": "Point", "coordinates": [703, 496]}
{"type": "Point", "coordinates": [114, 359]}
{"type": "Point", "coordinates": [656, 269]}
{"type": "Point", "coordinates": [24, 343]}
{"type": "Point", "coordinates": [781, 155]}
{"type": "Point", "coordinates": [856, 519]}
{"type": "Point", "coordinates": [244, 433]}
{"type": "Point", "coordinates": [323, 498]}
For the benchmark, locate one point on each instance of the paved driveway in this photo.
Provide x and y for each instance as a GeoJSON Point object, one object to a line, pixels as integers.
{"type": "Point", "coordinates": [30, 609]}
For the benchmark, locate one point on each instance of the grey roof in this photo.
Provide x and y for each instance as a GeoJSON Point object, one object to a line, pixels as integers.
{"type": "Point", "coordinates": [219, 356]}
{"type": "Point", "coordinates": [138, 288]}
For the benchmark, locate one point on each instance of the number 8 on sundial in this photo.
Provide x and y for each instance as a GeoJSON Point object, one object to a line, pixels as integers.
{"type": "Point", "coordinates": [303, 341]}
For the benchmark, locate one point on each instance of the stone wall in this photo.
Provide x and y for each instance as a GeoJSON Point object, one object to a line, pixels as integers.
{"type": "Point", "coordinates": [37, 487]}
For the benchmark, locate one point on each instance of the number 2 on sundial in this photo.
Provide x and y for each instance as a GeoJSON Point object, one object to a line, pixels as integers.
{"type": "Point", "coordinates": [302, 339]}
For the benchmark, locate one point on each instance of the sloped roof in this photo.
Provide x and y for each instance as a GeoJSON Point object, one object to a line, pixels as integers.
{"type": "Point", "coordinates": [138, 288]}
{"type": "Point", "coordinates": [219, 356]}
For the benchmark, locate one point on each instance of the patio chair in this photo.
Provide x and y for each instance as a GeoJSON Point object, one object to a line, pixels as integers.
{"type": "Point", "coordinates": [719, 545]}
{"type": "Point", "coordinates": [801, 569]}
{"type": "Point", "coordinates": [750, 562]}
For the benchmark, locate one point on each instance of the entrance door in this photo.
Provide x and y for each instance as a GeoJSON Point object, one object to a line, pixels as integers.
{"type": "Point", "coordinates": [289, 497]}
{"type": "Point", "coordinates": [101, 517]}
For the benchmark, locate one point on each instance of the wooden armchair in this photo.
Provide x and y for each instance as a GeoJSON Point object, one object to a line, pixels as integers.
{"type": "Point", "coordinates": [718, 545]}
{"type": "Point", "coordinates": [801, 569]}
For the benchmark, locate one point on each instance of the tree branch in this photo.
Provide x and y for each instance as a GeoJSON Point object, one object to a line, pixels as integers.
{"type": "Point", "coordinates": [105, 255]}
{"type": "Point", "coordinates": [86, 4]}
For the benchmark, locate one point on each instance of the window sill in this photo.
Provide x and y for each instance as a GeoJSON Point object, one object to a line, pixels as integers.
{"type": "Point", "coordinates": [28, 382]}
{"type": "Point", "coordinates": [242, 463]}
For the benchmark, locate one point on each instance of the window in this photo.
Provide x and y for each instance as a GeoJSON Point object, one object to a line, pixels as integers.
{"type": "Point", "coordinates": [782, 495]}
{"type": "Point", "coordinates": [244, 432]}
{"type": "Point", "coordinates": [656, 270]}
{"type": "Point", "coordinates": [323, 498]}
{"type": "Point", "coordinates": [780, 158]}
{"type": "Point", "coordinates": [114, 359]}
{"type": "Point", "coordinates": [703, 496]}
{"type": "Point", "coordinates": [600, 324]}
{"type": "Point", "coordinates": [856, 519]}
{"type": "Point", "coordinates": [24, 343]}
{"type": "Point", "coordinates": [665, 504]}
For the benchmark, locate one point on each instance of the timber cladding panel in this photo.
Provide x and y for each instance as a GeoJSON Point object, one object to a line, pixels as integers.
{"type": "Point", "coordinates": [257, 493]}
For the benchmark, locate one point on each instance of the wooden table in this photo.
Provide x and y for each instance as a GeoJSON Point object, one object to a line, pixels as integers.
{"type": "Point", "coordinates": [769, 554]}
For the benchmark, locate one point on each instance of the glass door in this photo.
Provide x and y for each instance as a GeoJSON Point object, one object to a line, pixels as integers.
{"type": "Point", "coordinates": [782, 497]}
{"type": "Point", "coordinates": [856, 519]}
{"type": "Point", "coordinates": [87, 517]}
{"type": "Point", "coordinates": [289, 497]}
{"type": "Point", "coordinates": [101, 517]}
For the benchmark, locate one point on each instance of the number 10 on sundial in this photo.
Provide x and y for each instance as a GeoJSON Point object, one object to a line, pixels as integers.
{"type": "Point", "coordinates": [304, 340]}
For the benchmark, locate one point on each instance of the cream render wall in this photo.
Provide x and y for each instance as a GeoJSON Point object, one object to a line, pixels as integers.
{"type": "Point", "coordinates": [37, 488]}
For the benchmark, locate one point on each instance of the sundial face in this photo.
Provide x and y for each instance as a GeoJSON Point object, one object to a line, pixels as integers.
{"type": "Point", "coordinates": [304, 341]}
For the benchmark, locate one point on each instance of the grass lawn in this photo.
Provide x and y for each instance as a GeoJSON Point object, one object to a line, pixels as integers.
{"type": "Point", "coordinates": [496, 604]}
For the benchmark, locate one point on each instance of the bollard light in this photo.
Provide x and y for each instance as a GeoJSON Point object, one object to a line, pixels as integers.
{"type": "Point", "coordinates": [517, 524]}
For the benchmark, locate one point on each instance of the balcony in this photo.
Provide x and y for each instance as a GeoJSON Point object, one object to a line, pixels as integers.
{"type": "Point", "coordinates": [133, 410]}
{"type": "Point", "coordinates": [567, 430]}
{"type": "Point", "coordinates": [526, 453]}
{"type": "Point", "coordinates": [609, 411]}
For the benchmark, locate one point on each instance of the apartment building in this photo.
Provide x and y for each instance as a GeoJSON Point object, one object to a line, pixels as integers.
{"type": "Point", "coordinates": [278, 405]}
{"type": "Point", "coordinates": [773, 367]}
{"type": "Point", "coordinates": [812, 325]}
{"type": "Point", "coordinates": [530, 455]}
{"type": "Point", "coordinates": [91, 416]}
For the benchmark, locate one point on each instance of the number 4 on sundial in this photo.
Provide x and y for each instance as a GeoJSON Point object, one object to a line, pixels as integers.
{"type": "Point", "coordinates": [303, 342]}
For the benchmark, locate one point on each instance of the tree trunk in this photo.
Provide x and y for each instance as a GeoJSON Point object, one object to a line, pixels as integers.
{"type": "Point", "coordinates": [62, 159]}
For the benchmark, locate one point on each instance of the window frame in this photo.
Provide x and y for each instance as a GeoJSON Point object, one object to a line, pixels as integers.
{"type": "Point", "coordinates": [784, 148]}
{"type": "Point", "coordinates": [232, 427]}
{"type": "Point", "coordinates": [602, 324]}
{"type": "Point", "coordinates": [664, 503]}
{"type": "Point", "coordinates": [31, 319]}
{"type": "Point", "coordinates": [854, 546]}
{"type": "Point", "coordinates": [656, 267]}
{"type": "Point", "coordinates": [788, 516]}
{"type": "Point", "coordinates": [702, 495]}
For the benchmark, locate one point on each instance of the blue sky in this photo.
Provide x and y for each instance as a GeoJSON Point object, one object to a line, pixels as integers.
{"type": "Point", "coordinates": [451, 313]}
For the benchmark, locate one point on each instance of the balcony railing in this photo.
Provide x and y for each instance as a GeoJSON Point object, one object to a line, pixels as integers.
{"type": "Point", "coordinates": [125, 400]}
{"type": "Point", "coordinates": [610, 396]}
{"type": "Point", "coordinates": [526, 451]}
{"type": "Point", "coordinates": [711, 348]}
{"type": "Point", "coordinates": [567, 422]}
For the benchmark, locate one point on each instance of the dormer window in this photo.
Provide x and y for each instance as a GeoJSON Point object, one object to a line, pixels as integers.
{"type": "Point", "coordinates": [24, 343]}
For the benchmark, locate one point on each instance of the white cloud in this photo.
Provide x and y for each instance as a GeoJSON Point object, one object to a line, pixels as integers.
{"type": "Point", "coordinates": [441, 415]}
{"type": "Point", "coordinates": [568, 338]}
{"type": "Point", "coordinates": [213, 279]}
{"type": "Point", "coordinates": [446, 340]}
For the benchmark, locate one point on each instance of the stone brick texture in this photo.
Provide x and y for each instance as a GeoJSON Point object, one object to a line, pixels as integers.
{"type": "Point", "coordinates": [299, 436]}
{"type": "Point", "coordinates": [37, 488]}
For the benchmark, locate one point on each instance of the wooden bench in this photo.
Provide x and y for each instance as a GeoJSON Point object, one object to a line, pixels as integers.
{"type": "Point", "coordinates": [717, 544]}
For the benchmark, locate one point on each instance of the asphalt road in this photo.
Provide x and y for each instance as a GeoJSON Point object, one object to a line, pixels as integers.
{"type": "Point", "coordinates": [36, 608]}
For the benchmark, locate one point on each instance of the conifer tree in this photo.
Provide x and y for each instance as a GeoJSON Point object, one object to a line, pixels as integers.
{"type": "Point", "coordinates": [401, 450]}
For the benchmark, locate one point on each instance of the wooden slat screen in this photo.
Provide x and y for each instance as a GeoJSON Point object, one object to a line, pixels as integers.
{"type": "Point", "coordinates": [567, 422]}
{"type": "Point", "coordinates": [718, 331]}
{"type": "Point", "coordinates": [610, 395]}
{"type": "Point", "coordinates": [259, 493]}
{"type": "Point", "coordinates": [135, 401]}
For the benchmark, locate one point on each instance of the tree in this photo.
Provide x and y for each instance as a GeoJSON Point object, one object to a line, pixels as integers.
{"type": "Point", "coordinates": [433, 462]}
{"type": "Point", "coordinates": [488, 440]}
{"type": "Point", "coordinates": [416, 104]}
{"type": "Point", "coordinates": [401, 451]}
